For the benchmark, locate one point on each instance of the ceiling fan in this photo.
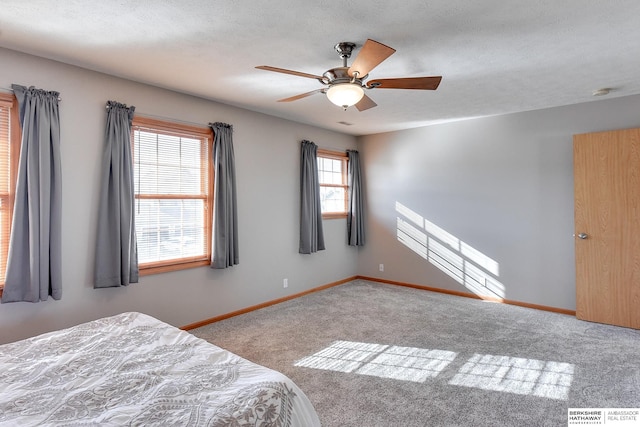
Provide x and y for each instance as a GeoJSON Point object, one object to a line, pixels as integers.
{"type": "Point", "coordinates": [345, 86]}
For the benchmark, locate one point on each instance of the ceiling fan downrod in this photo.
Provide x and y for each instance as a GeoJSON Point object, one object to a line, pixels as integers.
{"type": "Point", "coordinates": [344, 49]}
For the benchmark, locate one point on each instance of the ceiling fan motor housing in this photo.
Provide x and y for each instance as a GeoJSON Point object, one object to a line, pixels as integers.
{"type": "Point", "coordinates": [341, 75]}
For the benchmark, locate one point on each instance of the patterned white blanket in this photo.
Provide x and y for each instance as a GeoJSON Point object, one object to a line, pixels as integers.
{"type": "Point", "coordinates": [132, 369]}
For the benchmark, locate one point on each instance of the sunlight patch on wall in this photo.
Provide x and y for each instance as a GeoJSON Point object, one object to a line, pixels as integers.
{"type": "Point", "coordinates": [465, 264]}
{"type": "Point", "coordinates": [384, 361]}
{"type": "Point", "coordinates": [516, 375]}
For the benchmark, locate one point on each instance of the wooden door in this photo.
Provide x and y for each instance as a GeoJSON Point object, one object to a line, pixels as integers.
{"type": "Point", "coordinates": [607, 226]}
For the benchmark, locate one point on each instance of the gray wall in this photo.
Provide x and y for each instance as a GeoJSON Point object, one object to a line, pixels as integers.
{"type": "Point", "coordinates": [502, 185]}
{"type": "Point", "coordinates": [267, 162]}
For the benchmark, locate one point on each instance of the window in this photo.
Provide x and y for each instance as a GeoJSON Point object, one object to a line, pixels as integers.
{"type": "Point", "coordinates": [9, 155]}
{"type": "Point", "coordinates": [173, 179]}
{"type": "Point", "coordinates": [332, 174]}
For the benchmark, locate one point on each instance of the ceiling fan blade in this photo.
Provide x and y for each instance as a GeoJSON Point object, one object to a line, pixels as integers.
{"type": "Point", "coordinates": [369, 57]}
{"type": "Point", "coordinates": [365, 103]}
{"type": "Point", "coordinates": [285, 71]}
{"type": "Point", "coordinates": [302, 95]}
{"type": "Point", "coordinates": [425, 83]}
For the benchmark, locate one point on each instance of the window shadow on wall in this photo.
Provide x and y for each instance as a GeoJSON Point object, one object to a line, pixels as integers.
{"type": "Point", "coordinates": [465, 264]}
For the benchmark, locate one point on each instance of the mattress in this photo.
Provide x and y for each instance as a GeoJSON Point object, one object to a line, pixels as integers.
{"type": "Point", "coordinates": [132, 369]}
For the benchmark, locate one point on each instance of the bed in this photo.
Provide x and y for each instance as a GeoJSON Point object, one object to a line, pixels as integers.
{"type": "Point", "coordinates": [132, 369]}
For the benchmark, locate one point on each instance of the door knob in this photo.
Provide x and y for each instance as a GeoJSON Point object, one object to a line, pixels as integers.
{"type": "Point", "coordinates": [583, 236]}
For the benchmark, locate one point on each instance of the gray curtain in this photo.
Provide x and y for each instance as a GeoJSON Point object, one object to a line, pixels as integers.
{"type": "Point", "coordinates": [34, 261]}
{"type": "Point", "coordinates": [355, 218]}
{"type": "Point", "coordinates": [311, 235]}
{"type": "Point", "coordinates": [116, 246]}
{"type": "Point", "coordinates": [224, 245]}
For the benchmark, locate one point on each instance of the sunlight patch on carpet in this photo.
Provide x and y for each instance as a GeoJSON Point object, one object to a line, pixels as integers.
{"type": "Point", "coordinates": [385, 361]}
{"type": "Point", "coordinates": [516, 375]}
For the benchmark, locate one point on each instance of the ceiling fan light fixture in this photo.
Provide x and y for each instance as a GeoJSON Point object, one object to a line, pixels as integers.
{"type": "Point", "coordinates": [345, 94]}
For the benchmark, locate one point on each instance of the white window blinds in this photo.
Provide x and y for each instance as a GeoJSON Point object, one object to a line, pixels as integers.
{"type": "Point", "coordinates": [172, 190]}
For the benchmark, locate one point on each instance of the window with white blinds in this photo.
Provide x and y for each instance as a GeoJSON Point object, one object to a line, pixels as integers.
{"type": "Point", "coordinates": [173, 191]}
{"type": "Point", "coordinates": [9, 154]}
{"type": "Point", "coordinates": [332, 176]}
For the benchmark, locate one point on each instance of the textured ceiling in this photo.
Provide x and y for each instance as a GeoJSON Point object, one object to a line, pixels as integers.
{"type": "Point", "coordinates": [495, 56]}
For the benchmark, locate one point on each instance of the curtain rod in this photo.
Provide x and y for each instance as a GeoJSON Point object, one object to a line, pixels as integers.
{"type": "Point", "coordinates": [334, 149]}
{"type": "Point", "coordinates": [170, 119]}
{"type": "Point", "coordinates": [166, 119]}
{"type": "Point", "coordinates": [8, 89]}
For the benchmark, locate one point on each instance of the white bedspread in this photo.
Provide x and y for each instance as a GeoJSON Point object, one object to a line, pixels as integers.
{"type": "Point", "coordinates": [132, 369]}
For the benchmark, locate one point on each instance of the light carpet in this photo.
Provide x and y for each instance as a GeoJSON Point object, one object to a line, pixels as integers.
{"type": "Point", "coordinates": [371, 354]}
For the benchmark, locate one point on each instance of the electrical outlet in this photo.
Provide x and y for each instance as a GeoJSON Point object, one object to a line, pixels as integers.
{"type": "Point", "coordinates": [381, 267]}
{"type": "Point", "coordinates": [285, 283]}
